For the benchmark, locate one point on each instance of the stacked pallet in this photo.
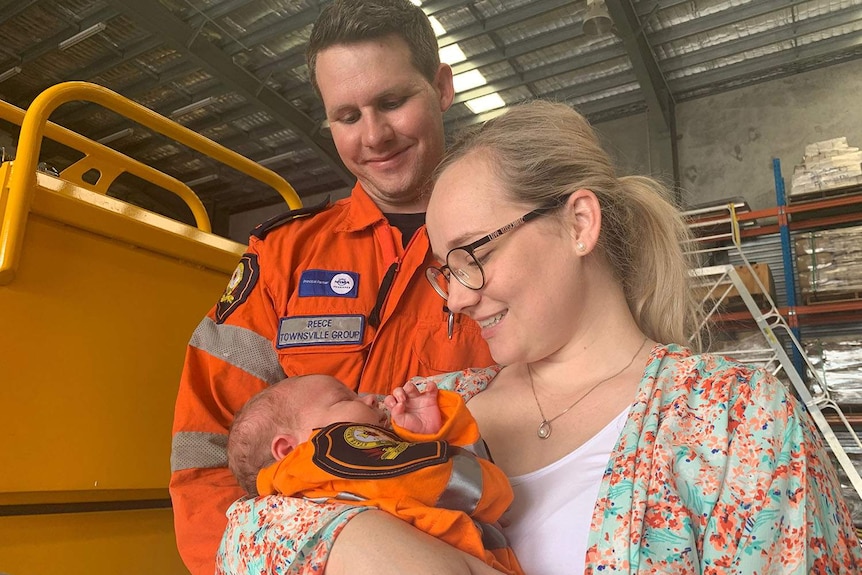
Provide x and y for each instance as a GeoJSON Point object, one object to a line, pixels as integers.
{"type": "Point", "coordinates": [838, 361]}
{"type": "Point", "coordinates": [827, 165]}
{"type": "Point", "coordinates": [829, 264]}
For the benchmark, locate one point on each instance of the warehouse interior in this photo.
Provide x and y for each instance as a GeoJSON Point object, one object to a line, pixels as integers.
{"type": "Point", "coordinates": [751, 104]}
{"type": "Point", "coordinates": [724, 75]}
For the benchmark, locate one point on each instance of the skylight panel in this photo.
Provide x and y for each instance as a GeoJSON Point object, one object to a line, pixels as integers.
{"type": "Point", "coordinates": [485, 103]}
{"type": "Point", "coordinates": [468, 80]}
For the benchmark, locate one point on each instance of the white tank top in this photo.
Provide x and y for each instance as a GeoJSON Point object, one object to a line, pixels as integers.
{"type": "Point", "coordinates": [553, 507]}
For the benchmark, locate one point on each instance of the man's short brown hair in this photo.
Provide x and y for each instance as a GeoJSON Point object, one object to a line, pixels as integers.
{"type": "Point", "coordinates": [353, 21]}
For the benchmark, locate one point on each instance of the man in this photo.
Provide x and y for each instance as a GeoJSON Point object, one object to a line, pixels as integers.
{"type": "Point", "coordinates": [338, 289]}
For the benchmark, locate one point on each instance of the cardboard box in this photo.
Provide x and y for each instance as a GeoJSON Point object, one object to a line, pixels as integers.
{"type": "Point", "coordinates": [763, 273]}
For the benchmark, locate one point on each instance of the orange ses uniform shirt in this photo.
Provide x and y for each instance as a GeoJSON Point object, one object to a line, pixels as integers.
{"type": "Point", "coordinates": [422, 479]}
{"type": "Point", "coordinates": [322, 290]}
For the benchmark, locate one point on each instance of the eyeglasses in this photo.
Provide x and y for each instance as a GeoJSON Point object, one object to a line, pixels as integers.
{"type": "Point", "coordinates": [462, 262]}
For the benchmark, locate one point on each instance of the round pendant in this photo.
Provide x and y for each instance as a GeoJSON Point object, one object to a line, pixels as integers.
{"type": "Point", "coordinates": [544, 430]}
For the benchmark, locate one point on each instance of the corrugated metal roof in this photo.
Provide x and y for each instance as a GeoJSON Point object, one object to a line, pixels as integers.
{"type": "Point", "coordinates": [243, 60]}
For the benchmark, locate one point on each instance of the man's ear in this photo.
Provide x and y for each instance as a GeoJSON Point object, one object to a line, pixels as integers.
{"type": "Point", "coordinates": [445, 86]}
{"type": "Point", "coordinates": [585, 215]}
{"type": "Point", "coordinates": [282, 444]}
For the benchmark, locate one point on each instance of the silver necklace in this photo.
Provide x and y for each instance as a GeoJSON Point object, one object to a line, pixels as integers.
{"type": "Point", "coordinates": [544, 431]}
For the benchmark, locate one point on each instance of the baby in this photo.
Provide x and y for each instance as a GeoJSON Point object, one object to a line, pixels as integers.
{"type": "Point", "coordinates": [310, 436]}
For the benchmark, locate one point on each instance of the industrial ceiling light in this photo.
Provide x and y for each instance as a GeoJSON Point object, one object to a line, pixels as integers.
{"type": "Point", "coordinates": [202, 180]}
{"type": "Point", "coordinates": [116, 136]}
{"type": "Point", "coordinates": [276, 158]}
{"type": "Point", "coordinates": [9, 73]}
{"type": "Point", "coordinates": [597, 21]}
{"type": "Point", "coordinates": [81, 36]}
{"type": "Point", "coordinates": [193, 106]}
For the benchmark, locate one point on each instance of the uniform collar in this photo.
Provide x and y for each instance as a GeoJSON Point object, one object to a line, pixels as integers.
{"type": "Point", "coordinates": [362, 212]}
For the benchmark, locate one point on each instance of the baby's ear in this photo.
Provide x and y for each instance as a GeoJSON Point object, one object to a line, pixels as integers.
{"type": "Point", "coordinates": [282, 445]}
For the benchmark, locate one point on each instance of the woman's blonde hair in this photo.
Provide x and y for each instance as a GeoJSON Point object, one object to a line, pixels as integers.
{"type": "Point", "coordinates": [542, 153]}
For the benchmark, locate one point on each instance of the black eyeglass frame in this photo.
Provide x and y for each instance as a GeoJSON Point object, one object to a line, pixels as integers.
{"type": "Point", "coordinates": [433, 272]}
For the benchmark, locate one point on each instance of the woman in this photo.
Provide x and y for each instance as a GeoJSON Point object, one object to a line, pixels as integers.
{"type": "Point", "coordinates": [627, 452]}
{"type": "Point", "coordinates": [639, 456]}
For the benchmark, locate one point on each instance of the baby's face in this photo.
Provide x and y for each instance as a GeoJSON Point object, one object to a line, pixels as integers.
{"type": "Point", "coordinates": [330, 401]}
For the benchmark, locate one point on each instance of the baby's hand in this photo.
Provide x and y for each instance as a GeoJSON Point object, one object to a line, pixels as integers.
{"type": "Point", "coordinates": [413, 410]}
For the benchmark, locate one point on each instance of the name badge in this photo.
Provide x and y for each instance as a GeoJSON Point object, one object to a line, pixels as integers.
{"type": "Point", "coordinates": [301, 331]}
{"type": "Point", "coordinates": [327, 283]}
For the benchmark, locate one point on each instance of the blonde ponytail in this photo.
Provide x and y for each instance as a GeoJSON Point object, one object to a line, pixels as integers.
{"type": "Point", "coordinates": [653, 269]}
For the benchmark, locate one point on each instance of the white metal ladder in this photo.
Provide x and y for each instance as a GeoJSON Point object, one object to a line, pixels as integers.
{"type": "Point", "coordinates": [721, 280]}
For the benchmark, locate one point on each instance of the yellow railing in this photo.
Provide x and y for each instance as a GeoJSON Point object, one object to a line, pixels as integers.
{"type": "Point", "coordinates": [109, 163]}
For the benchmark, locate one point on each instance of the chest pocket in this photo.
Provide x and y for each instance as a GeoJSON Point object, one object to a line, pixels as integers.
{"type": "Point", "coordinates": [436, 353]}
{"type": "Point", "coordinates": [324, 335]}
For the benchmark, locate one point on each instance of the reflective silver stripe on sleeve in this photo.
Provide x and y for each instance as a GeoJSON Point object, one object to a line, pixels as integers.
{"type": "Point", "coordinates": [479, 449]}
{"type": "Point", "coordinates": [464, 489]}
{"type": "Point", "coordinates": [347, 496]}
{"type": "Point", "coordinates": [492, 537]}
{"type": "Point", "coordinates": [240, 347]}
{"type": "Point", "coordinates": [198, 450]}
{"type": "Point", "coordinates": [243, 349]}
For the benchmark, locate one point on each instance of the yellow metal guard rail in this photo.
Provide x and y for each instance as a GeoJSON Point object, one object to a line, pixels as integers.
{"type": "Point", "coordinates": [109, 163]}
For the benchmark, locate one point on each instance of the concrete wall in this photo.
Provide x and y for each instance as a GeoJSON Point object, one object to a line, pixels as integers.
{"type": "Point", "coordinates": [627, 141]}
{"type": "Point", "coordinates": [727, 142]}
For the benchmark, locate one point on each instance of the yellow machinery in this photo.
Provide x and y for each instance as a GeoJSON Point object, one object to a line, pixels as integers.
{"type": "Point", "coordinates": [98, 299]}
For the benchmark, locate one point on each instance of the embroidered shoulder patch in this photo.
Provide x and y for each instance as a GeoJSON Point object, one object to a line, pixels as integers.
{"type": "Point", "coordinates": [361, 451]}
{"type": "Point", "coordinates": [240, 285]}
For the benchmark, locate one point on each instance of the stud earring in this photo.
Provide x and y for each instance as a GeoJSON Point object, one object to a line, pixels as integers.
{"type": "Point", "coordinates": [581, 247]}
